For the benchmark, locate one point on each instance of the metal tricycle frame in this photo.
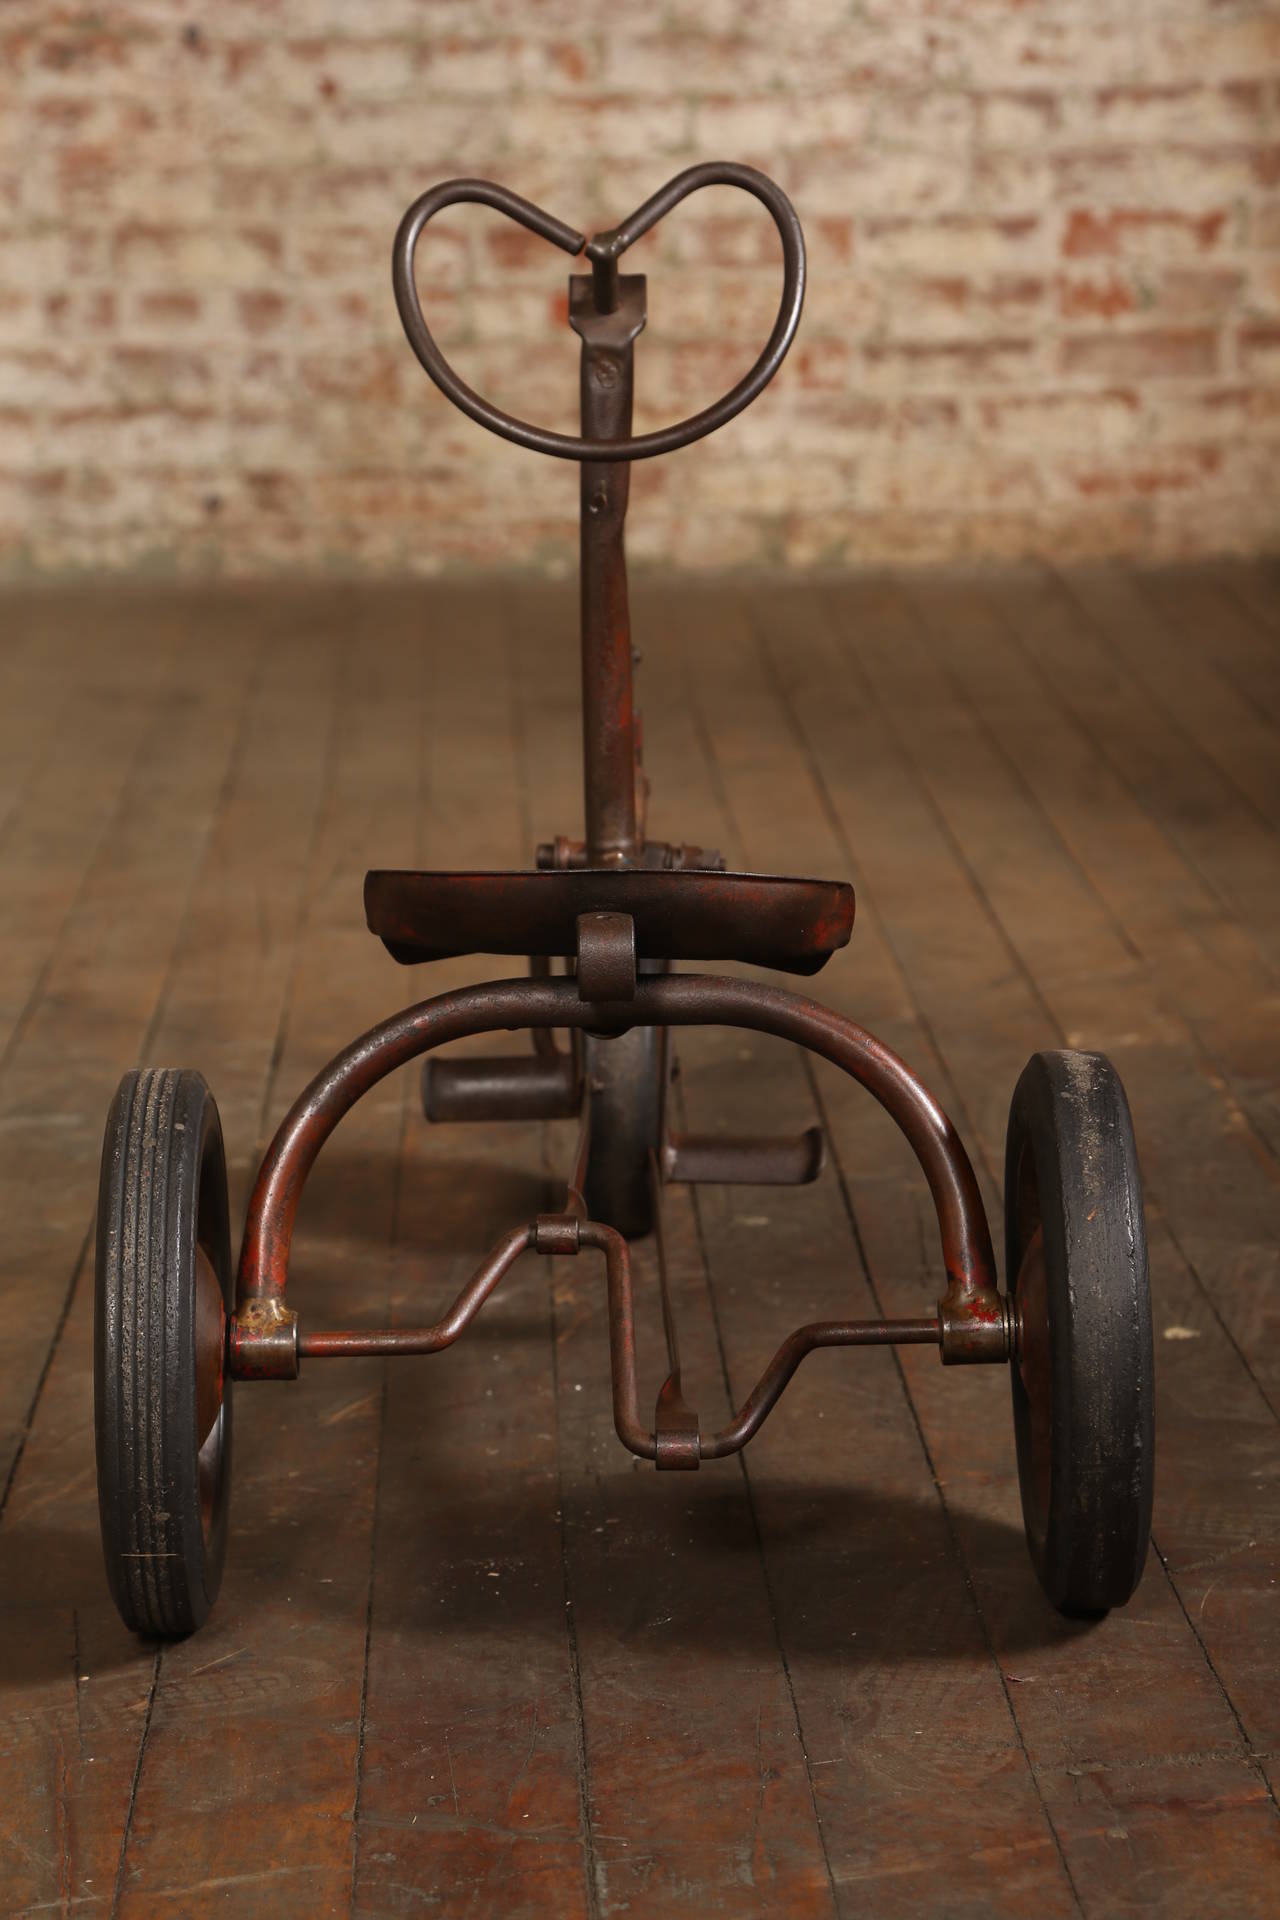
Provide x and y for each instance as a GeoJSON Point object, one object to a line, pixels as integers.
{"type": "Point", "coordinates": [973, 1319]}
{"type": "Point", "coordinates": [620, 911]}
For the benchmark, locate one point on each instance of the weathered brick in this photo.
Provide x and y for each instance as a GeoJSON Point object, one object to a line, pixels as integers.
{"type": "Point", "coordinates": [1098, 296]}
{"type": "Point", "coordinates": [1217, 413]}
{"type": "Point", "coordinates": [1043, 311]}
{"type": "Point", "coordinates": [1143, 231]}
{"type": "Point", "coordinates": [1021, 117]}
{"type": "Point", "coordinates": [1263, 300]}
{"type": "Point", "coordinates": [1152, 353]}
{"type": "Point", "coordinates": [1167, 473]}
{"type": "Point", "coordinates": [951, 362]}
{"type": "Point", "coordinates": [1199, 178]}
{"type": "Point", "coordinates": [1198, 292]}
{"type": "Point", "coordinates": [952, 242]}
{"type": "Point", "coordinates": [1258, 344]}
{"type": "Point", "coordinates": [958, 305]}
{"type": "Point", "coordinates": [1215, 43]}
{"type": "Point", "coordinates": [1153, 114]}
{"type": "Point", "coordinates": [1065, 418]}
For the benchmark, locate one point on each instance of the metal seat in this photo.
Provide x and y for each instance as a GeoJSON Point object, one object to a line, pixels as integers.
{"type": "Point", "coordinates": [762, 920]}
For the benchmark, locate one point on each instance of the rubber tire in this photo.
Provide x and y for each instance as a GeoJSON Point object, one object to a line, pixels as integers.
{"type": "Point", "coordinates": [623, 1073]}
{"type": "Point", "coordinates": [162, 1190]}
{"type": "Point", "coordinates": [1072, 1165]}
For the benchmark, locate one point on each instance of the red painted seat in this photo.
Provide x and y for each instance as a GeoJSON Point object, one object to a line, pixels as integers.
{"type": "Point", "coordinates": [690, 914]}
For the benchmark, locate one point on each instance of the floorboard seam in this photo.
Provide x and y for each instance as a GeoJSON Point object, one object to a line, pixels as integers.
{"type": "Point", "coordinates": [948, 834]}
{"type": "Point", "coordinates": [590, 1865]}
{"type": "Point", "coordinates": [721, 794]}
{"type": "Point", "coordinates": [1169, 1002]}
{"type": "Point", "coordinates": [867, 893]}
{"type": "Point", "coordinates": [939, 1491]}
{"type": "Point", "coordinates": [1068, 593]}
{"type": "Point", "coordinates": [761, 1555]}
{"type": "Point", "coordinates": [368, 1642]}
{"type": "Point", "coordinates": [36, 772]}
{"type": "Point", "coordinates": [1013, 627]}
{"type": "Point", "coordinates": [1259, 615]}
{"type": "Point", "coordinates": [1212, 1305]}
{"type": "Point", "coordinates": [1250, 1753]}
{"type": "Point", "coordinates": [409, 1086]}
{"type": "Point", "coordinates": [28, 1424]}
{"type": "Point", "coordinates": [234, 760]}
{"type": "Point", "coordinates": [325, 786]}
{"type": "Point", "coordinates": [980, 894]}
{"type": "Point", "coordinates": [1259, 708]}
{"type": "Point", "coordinates": [146, 737]}
{"type": "Point", "coordinates": [118, 1887]}
{"type": "Point", "coordinates": [828, 807]}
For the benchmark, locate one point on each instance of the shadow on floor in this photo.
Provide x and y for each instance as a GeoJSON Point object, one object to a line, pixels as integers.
{"type": "Point", "coordinates": [854, 1574]}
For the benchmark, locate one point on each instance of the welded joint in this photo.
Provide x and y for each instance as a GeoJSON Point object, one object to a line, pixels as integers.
{"type": "Point", "coordinates": [557, 1234]}
{"type": "Point", "coordinates": [606, 956]}
{"type": "Point", "coordinates": [607, 310]}
{"type": "Point", "coordinates": [262, 1341]}
{"type": "Point", "coordinates": [676, 1435]}
{"type": "Point", "coordinates": [975, 1328]}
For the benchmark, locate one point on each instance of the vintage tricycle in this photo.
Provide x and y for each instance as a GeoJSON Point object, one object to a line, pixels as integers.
{"type": "Point", "coordinates": [175, 1327]}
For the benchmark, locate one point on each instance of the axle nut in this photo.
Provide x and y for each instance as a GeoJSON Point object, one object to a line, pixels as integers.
{"type": "Point", "coordinates": [263, 1341]}
{"type": "Point", "coordinates": [975, 1329]}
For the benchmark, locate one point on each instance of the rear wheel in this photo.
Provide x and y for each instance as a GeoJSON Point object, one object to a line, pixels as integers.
{"type": "Point", "coordinates": [163, 1292]}
{"type": "Point", "coordinates": [1076, 1263]}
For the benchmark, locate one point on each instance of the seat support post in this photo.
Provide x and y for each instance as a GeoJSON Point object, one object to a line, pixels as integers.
{"type": "Point", "coordinates": [608, 711]}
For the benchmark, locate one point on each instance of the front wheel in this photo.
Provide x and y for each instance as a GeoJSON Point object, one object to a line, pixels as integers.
{"type": "Point", "coordinates": [162, 1298]}
{"type": "Point", "coordinates": [624, 1076]}
{"type": "Point", "coordinates": [1083, 1369]}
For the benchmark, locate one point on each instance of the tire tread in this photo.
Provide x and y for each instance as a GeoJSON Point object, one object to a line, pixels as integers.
{"type": "Point", "coordinates": [1070, 1113]}
{"type": "Point", "coordinates": [148, 1185]}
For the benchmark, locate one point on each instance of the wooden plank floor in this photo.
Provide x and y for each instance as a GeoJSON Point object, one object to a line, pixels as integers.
{"type": "Point", "coordinates": [469, 1657]}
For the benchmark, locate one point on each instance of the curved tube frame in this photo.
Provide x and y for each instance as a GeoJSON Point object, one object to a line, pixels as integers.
{"type": "Point", "coordinates": [603, 252]}
{"type": "Point", "coordinates": [671, 1000]}
{"type": "Point", "coordinates": [434, 1339]}
{"type": "Point", "coordinates": [748, 1419]}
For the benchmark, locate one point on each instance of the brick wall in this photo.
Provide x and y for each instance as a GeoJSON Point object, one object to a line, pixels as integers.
{"type": "Point", "coordinates": [1044, 308]}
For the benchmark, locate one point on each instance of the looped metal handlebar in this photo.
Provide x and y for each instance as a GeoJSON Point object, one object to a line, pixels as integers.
{"type": "Point", "coordinates": [603, 252]}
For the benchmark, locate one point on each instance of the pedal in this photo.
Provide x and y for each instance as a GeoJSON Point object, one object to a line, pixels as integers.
{"type": "Point", "coordinates": [525, 1086]}
{"type": "Point", "coordinates": [729, 1160]}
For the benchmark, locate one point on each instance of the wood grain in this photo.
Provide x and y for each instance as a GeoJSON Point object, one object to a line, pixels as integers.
{"type": "Point", "coordinates": [469, 1657]}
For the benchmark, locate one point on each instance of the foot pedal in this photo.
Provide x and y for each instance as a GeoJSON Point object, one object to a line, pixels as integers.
{"type": "Point", "coordinates": [526, 1086]}
{"type": "Point", "coordinates": [714, 1159]}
